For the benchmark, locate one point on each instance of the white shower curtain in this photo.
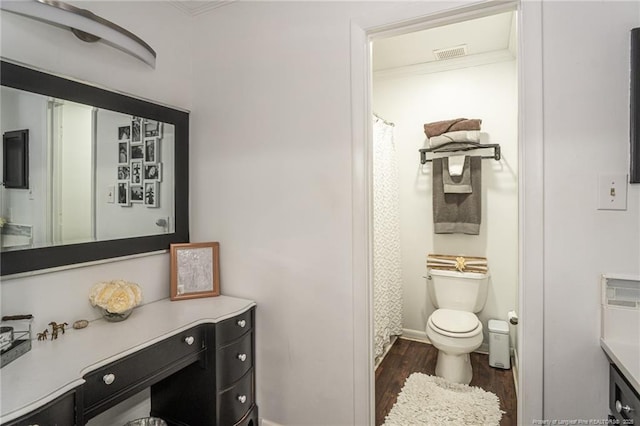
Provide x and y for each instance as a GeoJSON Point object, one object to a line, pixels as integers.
{"type": "Point", "coordinates": [387, 274]}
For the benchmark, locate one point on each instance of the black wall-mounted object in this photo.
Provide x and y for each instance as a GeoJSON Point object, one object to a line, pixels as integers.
{"type": "Point", "coordinates": [15, 164]}
{"type": "Point", "coordinates": [634, 119]}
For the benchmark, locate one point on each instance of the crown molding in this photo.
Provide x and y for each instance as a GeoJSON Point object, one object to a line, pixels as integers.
{"type": "Point", "coordinates": [446, 65]}
{"type": "Point", "coordinates": [195, 8]}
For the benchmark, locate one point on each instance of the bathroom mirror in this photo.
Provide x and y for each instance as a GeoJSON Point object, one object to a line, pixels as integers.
{"type": "Point", "coordinates": [107, 173]}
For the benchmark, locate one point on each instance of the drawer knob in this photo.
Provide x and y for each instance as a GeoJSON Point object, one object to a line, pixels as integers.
{"type": "Point", "coordinates": [241, 323]}
{"type": "Point", "coordinates": [242, 357]}
{"type": "Point", "coordinates": [189, 340]}
{"type": "Point", "coordinates": [620, 408]}
{"type": "Point", "coordinates": [242, 398]}
{"type": "Point", "coordinates": [108, 378]}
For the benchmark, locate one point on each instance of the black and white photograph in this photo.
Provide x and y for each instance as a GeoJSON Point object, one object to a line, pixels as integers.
{"type": "Point", "coordinates": [123, 152]}
{"type": "Point", "coordinates": [136, 131]}
{"type": "Point", "coordinates": [123, 193]}
{"type": "Point", "coordinates": [137, 152]}
{"type": "Point", "coordinates": [124, 133]}
{"type": "Point", "coordinates": [136, 172]}
{"type": "Point", "coordinates": [137, 194]}
{"type": "Point", "coordinates": [152, 129]}
{"type": "Point", "coordinates": [153, 172]}
{"type": "Point", "coordinates": [124, 172]}
{"type": "Point", "coordinates": [151, 150]}
{"type": "Point", "coordinates": [151, 194]}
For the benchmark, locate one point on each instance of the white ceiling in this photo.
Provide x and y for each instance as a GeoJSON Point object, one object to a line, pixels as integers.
{"type": "Point", "coordinates": [482, 36]}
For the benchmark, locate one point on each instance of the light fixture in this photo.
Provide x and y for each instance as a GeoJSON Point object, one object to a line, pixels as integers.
{"type": "Point", "coordinates": [86, 25]}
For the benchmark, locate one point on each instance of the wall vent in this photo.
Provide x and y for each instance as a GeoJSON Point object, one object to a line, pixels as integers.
{"type": "Point", "coordinates": [450, 52]}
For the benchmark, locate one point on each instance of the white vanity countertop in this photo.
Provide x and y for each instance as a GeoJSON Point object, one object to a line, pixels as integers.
{"type": "Point", "coordinates": [626, 356]}
{"type": "Point", "coordinates": [52, 368]}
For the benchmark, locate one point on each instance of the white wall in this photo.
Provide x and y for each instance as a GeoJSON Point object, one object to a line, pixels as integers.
{"type": "Point", "coordinates": [586, 132]}
{"type": "Point", "coordinates": [488, 92]}
{"type": "Point", "coordinates": [270, 178]}
{"type": "Point", "coordinates": [75, 168]}
{"type": "Point", "coordinates": [27, 206]}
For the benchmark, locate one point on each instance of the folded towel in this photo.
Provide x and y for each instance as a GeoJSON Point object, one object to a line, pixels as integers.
{"type": "Point", "coordinates": [457, 213]}
{"type": "Point", "coordinates": [439, 127]}
{"type": "Point", "coordinates": [457, 263]}
{"type": "Point", "coordinates": [462, 136]}
{"type": "Point", "coordinates": [456, 183]}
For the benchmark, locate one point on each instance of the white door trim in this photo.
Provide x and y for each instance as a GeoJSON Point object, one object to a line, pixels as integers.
{"type": "Point", "coordinates": [413, 17]}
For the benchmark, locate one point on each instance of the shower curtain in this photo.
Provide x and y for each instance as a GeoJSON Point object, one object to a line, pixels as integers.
{"type": "Point", "coordinates": [387, 274]}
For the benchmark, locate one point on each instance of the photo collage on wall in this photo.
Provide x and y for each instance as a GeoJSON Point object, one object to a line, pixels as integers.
{"type": "Point", "coordinates": [139, 166]}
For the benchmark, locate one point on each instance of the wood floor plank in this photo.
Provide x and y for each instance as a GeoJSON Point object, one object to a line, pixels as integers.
{"type": "Point", "coordinates": [408, 356]}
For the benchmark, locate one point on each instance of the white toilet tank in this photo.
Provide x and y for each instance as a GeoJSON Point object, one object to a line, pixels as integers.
{"type": "Point", "coordinates": [464, 291]}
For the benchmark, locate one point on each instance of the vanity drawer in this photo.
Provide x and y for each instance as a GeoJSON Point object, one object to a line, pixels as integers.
{"type": "Point", "coordinates": [236, 401]}
{"type": "Point", "coordinates": [234, 360]}
{"type": "Point", "coordinates": [113, 382]}
{"type": "Point", "coordinates": [59, 412]}
{"type": "Point", "coordinates": [233, 328]}
{"type": "Point", "coordinates": [624, 402]}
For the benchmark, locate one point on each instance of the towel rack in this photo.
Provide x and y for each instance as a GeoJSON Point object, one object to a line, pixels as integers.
{"type": "Point", "coordinates": [455, 147]}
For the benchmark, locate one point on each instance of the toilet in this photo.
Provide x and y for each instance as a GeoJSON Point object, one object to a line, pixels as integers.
{"type": "Point", "coordinates": [453, 328]}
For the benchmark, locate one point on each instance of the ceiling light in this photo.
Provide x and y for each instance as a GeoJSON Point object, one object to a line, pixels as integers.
{"type": "Point", "coordinates": [84, 24]}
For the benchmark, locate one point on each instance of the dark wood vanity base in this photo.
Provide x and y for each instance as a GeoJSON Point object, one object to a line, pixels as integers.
{"type": "Point", "coordinates": [200, 376]}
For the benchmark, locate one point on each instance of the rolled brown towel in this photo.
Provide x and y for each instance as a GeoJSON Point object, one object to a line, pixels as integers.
{"type": "Point", "coordinates": [439, 127]}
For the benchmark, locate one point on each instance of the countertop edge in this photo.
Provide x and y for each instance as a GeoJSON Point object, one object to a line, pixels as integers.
{"type": "Point", "coordinates": [616, 358]}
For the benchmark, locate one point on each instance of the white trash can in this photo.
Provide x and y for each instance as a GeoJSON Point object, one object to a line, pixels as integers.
{"type": "Point", "coordinates": [499, 356]}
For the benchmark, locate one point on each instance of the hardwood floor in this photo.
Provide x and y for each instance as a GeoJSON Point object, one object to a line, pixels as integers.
{"type": "Point", "coordinates": [407, 356]}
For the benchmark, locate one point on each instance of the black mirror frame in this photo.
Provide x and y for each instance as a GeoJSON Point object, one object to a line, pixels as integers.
{"type": "Point", "coordinates": [634, 131]}
{"type": "Point", "coordinates": [19, 261]}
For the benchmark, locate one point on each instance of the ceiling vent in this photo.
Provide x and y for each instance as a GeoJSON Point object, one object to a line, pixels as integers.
{"type": "Point", "coordinates": [450, 52]}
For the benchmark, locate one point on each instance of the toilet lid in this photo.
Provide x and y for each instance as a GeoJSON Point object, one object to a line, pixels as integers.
{"type": "Point", "coordinates": [454, 321]}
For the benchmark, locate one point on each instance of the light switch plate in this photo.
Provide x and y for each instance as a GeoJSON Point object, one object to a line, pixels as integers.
{"type": "Point", "coordinates": [111, 194]}
{"type": "Point", "coordinates": [612, 191]}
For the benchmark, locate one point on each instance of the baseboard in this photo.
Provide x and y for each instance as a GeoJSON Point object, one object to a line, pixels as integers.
{"type": "Point", "coordinates": [417, 335]}
{"type": "Point", "coordinates": [265, 422]}
{"type": "Point", "coordinates": [386, 350]}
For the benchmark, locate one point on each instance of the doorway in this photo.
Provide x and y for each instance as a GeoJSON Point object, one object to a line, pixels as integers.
{"type": "Point", "coordinates": [464, 69]}
{"type": "Point", "coordinates": [530, 201]}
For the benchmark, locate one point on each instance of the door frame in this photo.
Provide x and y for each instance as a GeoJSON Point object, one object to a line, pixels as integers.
{"type": "Point", "coordinates": [419, 16]}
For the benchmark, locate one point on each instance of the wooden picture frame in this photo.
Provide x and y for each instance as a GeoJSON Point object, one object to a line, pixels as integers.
{"type": "Point", "coordinates": [195, 270]}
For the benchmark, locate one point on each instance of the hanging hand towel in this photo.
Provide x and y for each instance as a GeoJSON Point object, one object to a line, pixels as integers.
{"type": "Point", "coordinates": [454, 182]}
{"type": "Point", "coordinates": [457, 213]}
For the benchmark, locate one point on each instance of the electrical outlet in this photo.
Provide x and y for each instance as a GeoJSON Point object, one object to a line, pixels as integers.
{"type": "Point", "coordinates": [612, 192]}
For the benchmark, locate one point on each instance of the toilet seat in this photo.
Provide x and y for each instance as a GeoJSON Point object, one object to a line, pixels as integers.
{"type": "Point", "coordinates": [453, 323]}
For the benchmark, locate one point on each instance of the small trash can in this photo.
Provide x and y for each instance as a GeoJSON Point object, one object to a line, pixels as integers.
{"type": "Point", "coordinates": [499, 356]}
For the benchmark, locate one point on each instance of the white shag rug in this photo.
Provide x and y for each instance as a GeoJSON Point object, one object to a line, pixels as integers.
{"type": "Point", "coordinates": [430, 400]}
